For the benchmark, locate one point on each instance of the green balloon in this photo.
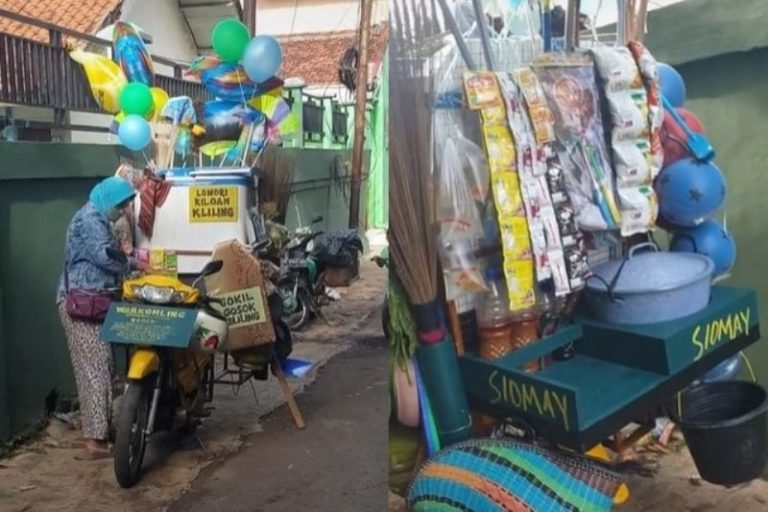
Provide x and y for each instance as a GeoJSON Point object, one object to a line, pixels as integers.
{"type": "Point", "coordinates": [229, 39]}
{"type": "Point", "coordinates": [136, 98]}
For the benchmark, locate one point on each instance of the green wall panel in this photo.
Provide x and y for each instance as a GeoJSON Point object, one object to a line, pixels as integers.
{"type": "Point", "coordinates": [41, 187]}
{"type": "Point", "coordinates": [728, 93]}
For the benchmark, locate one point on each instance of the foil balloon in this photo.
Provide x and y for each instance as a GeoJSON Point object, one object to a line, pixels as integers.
{"type": "Point", "coordinates": [105, 78]}
{"type": "Point", "coordinates": [224, 120]}
{"type": "Point", "coordinates": [183, 144]}
{"type": "Point", "coordinates": [227, 81]}
{"type": "Point", "coordinates": [131, 54]}
{"type": "Point", "coordinates": [159, 99]}
{"type": "Point", "coordinates": [180, 110]}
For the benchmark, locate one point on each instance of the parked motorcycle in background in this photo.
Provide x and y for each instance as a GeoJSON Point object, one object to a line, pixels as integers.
{"type": "Point", "coordinates": [303, 258]}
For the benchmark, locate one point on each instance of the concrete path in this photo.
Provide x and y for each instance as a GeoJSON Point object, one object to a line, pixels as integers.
{"type": "Point", "coordinates": [338, 463]}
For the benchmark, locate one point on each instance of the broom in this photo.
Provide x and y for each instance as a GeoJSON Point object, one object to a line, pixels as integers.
{"type": "Point", "coordinates": [411, 233]}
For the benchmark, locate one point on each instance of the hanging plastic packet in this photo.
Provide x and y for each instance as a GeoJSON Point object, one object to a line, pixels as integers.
{"type": "Point", "coordinates": [568, 82]}
{"type": "Point", "coordinates": [459, 219]}
{"type": "Point", "coordinates": [555, 209]}
{"type": "Point", "coordinates": [628, 114]}
{"type": "Point", "coordinates": [483, 94]}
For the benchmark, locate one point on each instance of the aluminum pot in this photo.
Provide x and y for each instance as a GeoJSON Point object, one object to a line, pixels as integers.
{"type": "Point", "coordinates": [649, 287]}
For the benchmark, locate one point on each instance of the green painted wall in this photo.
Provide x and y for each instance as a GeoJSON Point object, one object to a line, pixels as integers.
{"type": "Point", "coordinates": [41, 186]}
{"type": "Point", "coordinates": [730, 96]}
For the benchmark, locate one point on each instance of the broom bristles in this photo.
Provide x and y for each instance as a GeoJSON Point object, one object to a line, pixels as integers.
{"type": "Point", "coordinates": [411, 237]}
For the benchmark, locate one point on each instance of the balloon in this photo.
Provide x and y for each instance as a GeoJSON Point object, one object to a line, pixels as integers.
{"type": "Point", "coordinates": [135, 133]}
{"type": "Point", "coordinates": [708, 239]}
{"type": "Point", "coordinates": [229, 39]}
{"type": "Point", "coordinates": [180, 110]}
{"type": "Point", "coordinates": [136, 98]}
{"type": "Point", "coordinates": [262, 59]}
{"type": "Point", "coordinates": [105, 78]}
{"type": "Point", "coordinates": [673, 138]}
{"type": "Point", "coordinates": [689, 192]}
{"type": "Point", "coordinates": [159, 99]}
{"type": "Point", "coordinates": [132, 55]}
{"type": "Point", "coordinates": [671, 84]}
{"type": "Point", "coordinates": [230, 82]}
{"type": "Point", "coordinates": [224, 120]}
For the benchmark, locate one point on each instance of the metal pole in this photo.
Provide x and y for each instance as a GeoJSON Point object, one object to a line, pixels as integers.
{"type": "Point", "coordinates": [249, 13]}
{"type": "Point", "coordinates": [361, 99]}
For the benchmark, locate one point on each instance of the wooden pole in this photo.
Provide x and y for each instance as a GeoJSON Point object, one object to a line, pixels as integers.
{"type": "Point", "coordinates": [361, 99]}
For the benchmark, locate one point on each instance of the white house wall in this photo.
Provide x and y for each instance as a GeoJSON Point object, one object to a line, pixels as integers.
{"type": "Point", "coordinates": [165, 23]}
{"type": "Point", "coordinates": [170, 38]}
{"type": "Point", "coordinates": [280, 17]}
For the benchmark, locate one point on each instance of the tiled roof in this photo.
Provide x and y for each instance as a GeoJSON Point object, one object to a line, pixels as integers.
{"type": "Point", "coordinates": [315, 57]}
{"type": "Point", "coordinates": [85, 16]}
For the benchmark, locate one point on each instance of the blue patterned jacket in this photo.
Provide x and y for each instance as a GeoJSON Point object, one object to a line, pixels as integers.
{"type": "Point", "coordinates": [85, 255]}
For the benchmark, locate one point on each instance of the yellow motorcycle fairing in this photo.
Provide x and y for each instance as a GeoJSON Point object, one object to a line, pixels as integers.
{"type": "Point", "coordinates": [188, 294]}
{"type": "Point", "coordinates": [144, 362]}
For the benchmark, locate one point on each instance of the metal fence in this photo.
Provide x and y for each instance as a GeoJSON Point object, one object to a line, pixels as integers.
{"type": "Point", "coordinates": [41, 74]}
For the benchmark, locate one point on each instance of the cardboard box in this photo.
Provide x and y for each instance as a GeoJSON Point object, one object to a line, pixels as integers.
{"type": "Point", "coordinates": [240, 285]}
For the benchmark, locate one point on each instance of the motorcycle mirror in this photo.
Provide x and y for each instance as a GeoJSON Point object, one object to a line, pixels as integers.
{"type": "Point", "coordinates": [212, 267]}
{"type": "Point", "coordinates": [318, 218]}
{"type": "Point", "coordinates": [116, 255]}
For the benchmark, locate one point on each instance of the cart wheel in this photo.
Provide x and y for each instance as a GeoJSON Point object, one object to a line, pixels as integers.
{"type": "Point", "coordinates": [131, 438]}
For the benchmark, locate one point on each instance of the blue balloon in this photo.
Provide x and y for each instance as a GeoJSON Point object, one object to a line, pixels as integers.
{"type": "Point", "coordinates": [689, 192]}
{"type": "Point", "coordinates": [708, 239]}
{"type": "Point", "coordinates": [262, 58]}
{"type": "Point", "coordinates": [135, 133]}
{"type": "Point", "coordinates": [672, 85]}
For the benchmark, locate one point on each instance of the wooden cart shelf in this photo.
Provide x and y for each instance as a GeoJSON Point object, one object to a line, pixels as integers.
{"type": "Point", "coordinates": [619, 375]}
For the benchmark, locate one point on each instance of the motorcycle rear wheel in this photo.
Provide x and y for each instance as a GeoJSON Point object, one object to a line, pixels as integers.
{"type": "Point", "coordinates": [299, 318]}
{"type": "Point", "coordinates": [131, 438]}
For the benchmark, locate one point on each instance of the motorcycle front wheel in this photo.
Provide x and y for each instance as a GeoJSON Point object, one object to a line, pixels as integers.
{"type": "Point", "coordinates": [131, 438]}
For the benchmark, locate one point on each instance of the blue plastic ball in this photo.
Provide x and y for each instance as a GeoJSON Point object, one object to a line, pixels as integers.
{"type": "Point", "coordinates": [708, 239]}
{"type": "Point", "coordinates": [672, 85]}
{"type": "Point", "coordinates": [262, 58]}
{"type": "Point", "coordinates": [689, 192]}
{"type": "Point", "coordinates": [134, 132]}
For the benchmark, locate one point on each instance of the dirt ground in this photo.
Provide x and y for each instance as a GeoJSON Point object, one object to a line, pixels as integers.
{"type": "Point", "coordinates": [45, 476]}
{"type": "Point", "coordinates": [338, 463]}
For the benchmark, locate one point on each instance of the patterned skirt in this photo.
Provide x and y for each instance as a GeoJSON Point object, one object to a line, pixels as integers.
{"type": "Point", "coordinates": [93, 366]}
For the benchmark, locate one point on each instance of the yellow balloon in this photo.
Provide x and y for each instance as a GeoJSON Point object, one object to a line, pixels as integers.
{"type": "Point", "coordinates": [104, 76]}
{"type": "Point", "coordinates": [159, 98]}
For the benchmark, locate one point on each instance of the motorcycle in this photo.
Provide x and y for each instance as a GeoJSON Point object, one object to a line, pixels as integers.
{"type": "Point", "coordinates": [172, 331]}
{"type": "Point", "coordinates": [300, 284]}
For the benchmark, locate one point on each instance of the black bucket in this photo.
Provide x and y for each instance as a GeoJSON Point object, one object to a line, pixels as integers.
{"type": "Point", "coordinates": [725, 425]}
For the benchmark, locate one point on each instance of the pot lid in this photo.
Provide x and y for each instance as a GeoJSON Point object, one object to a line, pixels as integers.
{"type": "Point", "coordinates": [652, 272]}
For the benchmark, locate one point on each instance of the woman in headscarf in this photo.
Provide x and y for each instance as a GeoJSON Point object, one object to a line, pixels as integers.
{"type": "Point", "coordinates": [88, 266]}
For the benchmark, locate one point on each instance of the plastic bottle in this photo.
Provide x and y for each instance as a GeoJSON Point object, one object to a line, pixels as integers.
{"type": "Point", "coordinates": [493, 317]}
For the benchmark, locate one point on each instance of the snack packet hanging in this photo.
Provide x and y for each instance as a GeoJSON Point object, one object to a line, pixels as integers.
{"type": "Point", "coordinates": [628, 115]}
{"type": "Point", "coordinates": [568, 82]}
{"type": "Point", "coordinates": [503, 164]}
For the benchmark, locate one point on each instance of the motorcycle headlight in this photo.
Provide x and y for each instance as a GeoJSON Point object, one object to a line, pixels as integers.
{"type": "Point", "coordinates": [159, 294]}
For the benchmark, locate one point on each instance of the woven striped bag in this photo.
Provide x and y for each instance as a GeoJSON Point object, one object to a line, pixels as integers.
{"type": "Point", "coordinates": [505, 475]}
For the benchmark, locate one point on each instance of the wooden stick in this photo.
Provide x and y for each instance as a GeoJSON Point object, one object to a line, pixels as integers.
{"type": "Point", "coordinates": [642, 16]}
{"type": "Point", "coordinates": [458, 336]}
{"type": "Point", "coordinates": [298, 419]}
